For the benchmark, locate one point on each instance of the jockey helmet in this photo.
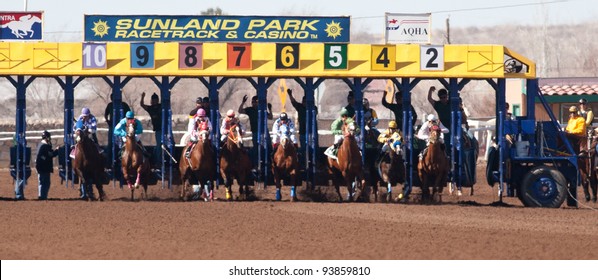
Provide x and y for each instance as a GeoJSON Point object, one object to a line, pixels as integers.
{"type": "Point", "coordinates": [583, 101]}
{"type": "Point", "coordinates": [230, 113]}
{"type": "Point", "coordinates": [573, 109]}
{"type": "Point", "coordinates": [130, 115]}
{"type": "Point", "coordinates": [344, 112]}
{"type": "Point", "coordinates": [283, 116]}
{"type": "Point", "coordinates": [392, 124]}
{"type": "Point", "coordinates": [201, 112]}
{"type": "Point", "coordinates": [45, 134]}
{"type": "Point", "coordinates": [85, 111]}
{"type": "Point", "coordinates": [431, 117]}
{"type": "Point", "coordinates": [366, 102]}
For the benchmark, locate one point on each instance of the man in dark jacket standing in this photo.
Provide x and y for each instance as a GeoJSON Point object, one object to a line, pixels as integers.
{"type": "Point", "coordinates": [44, 164]}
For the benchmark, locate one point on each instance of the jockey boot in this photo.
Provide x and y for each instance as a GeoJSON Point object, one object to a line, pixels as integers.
{"type": "Point", "coordinates": [189, 149]}
{"type": "Point", "coordinates": [296, 146]}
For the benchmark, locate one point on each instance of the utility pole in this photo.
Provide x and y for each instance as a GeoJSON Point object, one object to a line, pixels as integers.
{"type": "Point", "coordinates": [25, 5]}
{"type": "Point", "coordinates": [448, 30]}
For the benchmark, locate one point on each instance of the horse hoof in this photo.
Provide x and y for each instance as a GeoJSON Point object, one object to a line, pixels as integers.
{"type": "Point", "coordinates": [459, 193]}
{"type": "Point", "coordinates": [587, 198]}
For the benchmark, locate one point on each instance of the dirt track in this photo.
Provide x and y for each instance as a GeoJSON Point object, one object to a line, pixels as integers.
{"type": "Point", "coordinates": [166, 228]}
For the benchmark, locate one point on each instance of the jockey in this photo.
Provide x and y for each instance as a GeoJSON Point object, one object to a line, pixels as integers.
{"type": "Point", "coordinates": [201, 123]}
{"type": "Point", "coordinates": [121, 129]}
{"type": "Point", "coordinates": [283, 120]}
{"type": "Point", "coordinates": [87, 121]}
{"type": "Point", "coordinates": [369, 115]}
{"type": "Point", "coordinates": [229, 121]}
{"type": "Point", "coordinates": [337, 130]}
{"type": "Point", "coordinates": [391, 136]}
{"type": "Point", "coordinates": [424, 132]}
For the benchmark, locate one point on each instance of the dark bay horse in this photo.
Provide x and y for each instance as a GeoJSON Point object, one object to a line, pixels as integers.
{"type": "Point", "coordinates": [134, 164]}
{"type": "Point", "coordinates": [348, 170]}
{"type": "Point", "coordinates": [391, 170]}
{"type": "Point", "coordinates": [433, 168]}
{"type": "Point", "coordinates": [285, 164]}
{"type": "Point", "coordinates": [235, 164]}
{"type": "Point", "coordinates": [469, 154]}
{"type": "Point", "coordinates": [200, 167]}
{"type": "Point", "coordinates": [88, 165]}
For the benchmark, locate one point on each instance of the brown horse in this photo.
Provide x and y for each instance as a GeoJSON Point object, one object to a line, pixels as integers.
{"type": "Point", "coordinates": [348, 170]}
{"type": "Point", "coordinates": [235, 164]}
{"type": "Point", "coordinates": [134, 163]}
{"type": "Point", "coordinates": [200, 167]}
{"type": "Point", "coordinates": [285, 164]}
{"type": "Point", "coordinates": [88, 165]}
{"type": "Point", "coordinates": [391, 170]}
{"type": "Point", "coordinates": [433, 167]}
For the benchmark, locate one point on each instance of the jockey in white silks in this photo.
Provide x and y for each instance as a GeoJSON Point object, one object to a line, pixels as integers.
{"type": "Point", "coordinates": [277, 130]}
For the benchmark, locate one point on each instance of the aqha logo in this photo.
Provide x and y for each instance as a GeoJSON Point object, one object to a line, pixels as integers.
{"type": "Point", "coordinates": [392, 24]}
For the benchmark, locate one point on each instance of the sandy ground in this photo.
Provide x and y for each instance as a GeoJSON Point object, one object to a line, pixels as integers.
{"type": "Point", "coordinates": [164, 227]}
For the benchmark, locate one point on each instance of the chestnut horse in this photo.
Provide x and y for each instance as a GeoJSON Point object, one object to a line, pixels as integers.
{"type": "Point", "coordinates": [88, 165]}
{"type": "Point", "coordinates": [348, 169]}
{"type": "Point", "coordinates": [391, 170]}
{"type": "Point", "coordinates": [433, 168]}
{"type": "Point", "coordinates": [134, 164]}
{"type": "Point", "coordinates": [285, 164]}
{"type": "Point", "coordinates": [200, 167]}
{"type": "Point", "coordinates": [235, 164]}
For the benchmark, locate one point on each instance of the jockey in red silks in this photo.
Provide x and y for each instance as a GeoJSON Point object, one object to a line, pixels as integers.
{"type": "Point", "coordinates": [227, 123]}
{"type": "Point", "coordinates": [201, 123]}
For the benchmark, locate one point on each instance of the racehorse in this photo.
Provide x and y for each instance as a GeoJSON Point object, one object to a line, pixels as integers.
{"type": "Point", "coordinates": [347, 169]}
{"type": "Point", "coordinates": [391, 170]}
{"type": "Point", "coordinates": [88, 165]}
{"type": "Point", "coordinates": [285, 164]}
{"type": "Point", "coordinates": [433, 167]}
{"type": "Point", "coordinates": [235, 164]}
{"type": "Point", "coordinates": [23, 25]}
{"type": "Point", "coordinates": [134, 163]}
{"type": "Point", "coordinates": [200, 167]}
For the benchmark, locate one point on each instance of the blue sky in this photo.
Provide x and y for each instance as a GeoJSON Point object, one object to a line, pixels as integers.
{"type": "Point", "coordinates": [64, 18]}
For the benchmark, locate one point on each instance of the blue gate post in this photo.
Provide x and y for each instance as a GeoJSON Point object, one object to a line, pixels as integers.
{"type": "Point", "coordinates": [311, 125]}
{"type": "Point", "coordinates": [117, 114]}
{"type": "Point", "coordinates": [213, 85]}
{"type": "Point", "coordinates": [21, 142]}
{"type": "Point", "coordinates": [405, 87]}
{"type": "Point", "coordinates": [165, 86]}
{"type": "Point", "coordinates": [68, 85]}
{"type": "Point", "coordinates": [500, 134]}
{"type": "Point", "coordinates": [357, 86]}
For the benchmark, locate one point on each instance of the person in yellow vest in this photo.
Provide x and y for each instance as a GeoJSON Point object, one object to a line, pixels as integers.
{"type": "Point", "coordinates": [576, 128]}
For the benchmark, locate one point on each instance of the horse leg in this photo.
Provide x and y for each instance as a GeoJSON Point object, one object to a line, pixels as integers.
{"type": "Point", "coordinates": [138, 176]}
{"type": "Point", "coordinates": [101, 193]}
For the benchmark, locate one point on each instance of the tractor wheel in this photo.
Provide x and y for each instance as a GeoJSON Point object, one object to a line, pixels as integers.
{"type": "Point", "coordinates": [543, 186]}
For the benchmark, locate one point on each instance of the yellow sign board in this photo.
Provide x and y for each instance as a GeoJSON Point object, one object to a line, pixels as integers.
{"type": "Point", "coordinates": [259, 60]}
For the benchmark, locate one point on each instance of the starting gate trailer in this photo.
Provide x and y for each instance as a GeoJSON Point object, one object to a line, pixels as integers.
{"type": "Point", "coordinates": [309, 64]}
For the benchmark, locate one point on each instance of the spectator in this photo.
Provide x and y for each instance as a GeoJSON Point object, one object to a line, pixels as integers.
{"type": "Point", "coordinates": [44, 164]}
{"type": "Point", "coordinates": [397, 109]}
{"type": "Point", "coordinates": [251, 112]}
{"type": "Point", "coordinates": [155, 112]}
{"type": "Point", "coordinates": [586, 112]}
{"type": "Point", "coordinates": [443, 109]}
{"type": "Point", "coordinates": [301, 112]}
{"type": "Point", "coordinates": [351, 105]}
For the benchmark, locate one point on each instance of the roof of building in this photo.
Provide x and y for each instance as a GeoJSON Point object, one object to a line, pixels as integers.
{"type": "Point", "coordinates": [569, 86]}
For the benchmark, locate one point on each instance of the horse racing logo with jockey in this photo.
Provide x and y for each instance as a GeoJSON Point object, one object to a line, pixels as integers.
{"type": "Point", "coordinates": [21, 26]}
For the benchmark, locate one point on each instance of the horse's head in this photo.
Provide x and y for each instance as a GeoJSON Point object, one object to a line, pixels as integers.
{"type": "Point", "coordinates": [81, 135]}
{"type": "Point", "coordinates": [130, 128]}
{"type": "Point", "coordinates": [204, 136]}
{"type": "Point", "coordinates": [234, 136]}
{"type": "Point", "coordinates": [350, 129]}
{"type": "Point", "coordinates": [434, 133]}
